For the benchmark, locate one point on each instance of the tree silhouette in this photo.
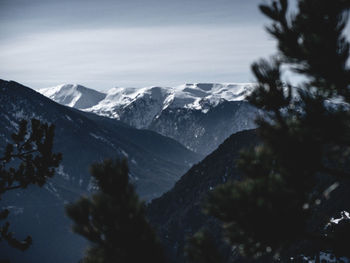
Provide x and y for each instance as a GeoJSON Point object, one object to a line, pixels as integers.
{"type": "Point", "coordinates": [29, 159]}
{"type": "Point", "coordinates": [113, 219]}
{"type": "Point", "coordinates": [305, 135]}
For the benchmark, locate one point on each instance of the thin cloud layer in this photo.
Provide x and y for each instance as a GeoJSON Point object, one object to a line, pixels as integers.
{"type": "Point", "coordinates": [146, 44]}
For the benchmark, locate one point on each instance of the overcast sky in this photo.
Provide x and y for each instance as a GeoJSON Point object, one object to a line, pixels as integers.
{"type": "Point", "coordinates": [103, 44]}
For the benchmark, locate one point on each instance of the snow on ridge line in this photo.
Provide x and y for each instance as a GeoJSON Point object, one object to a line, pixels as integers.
{"type": "Point", "coordinates": [73, 95]}
{"type": "Point", "coordinates": [66, 94]}
{"type": "Point", "coordinates": [192, 96]}
{"type": "Point", "coordinates": [50, 91]}
{"type": "Point", "coordinates": [189, 95]}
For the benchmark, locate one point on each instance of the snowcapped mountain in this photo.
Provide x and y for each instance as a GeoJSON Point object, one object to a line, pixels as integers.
{"type": "Point", "coordinates": [73, 95]}
{"type": "Point", "coordinates": [200, 116]}
{"type": "Point", "coordinates": [200, 96]}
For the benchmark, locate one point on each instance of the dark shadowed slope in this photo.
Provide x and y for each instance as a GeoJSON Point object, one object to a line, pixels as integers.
{"type": "Point", "coordinates": [156, 162]}
{"type": "Point", "coordinates": [177, 214]}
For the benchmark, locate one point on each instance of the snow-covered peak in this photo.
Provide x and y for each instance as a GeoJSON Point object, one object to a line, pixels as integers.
{"type": "Point", "coordinates": [193, 95]}
{"type": "Point", "coordinates": [147, 102]}
{"type": "Point", "coordinates": [122, 96]}
{"type": "Point", "coordinates": [228, 91]}
{"type": "Point", "coordinates": [185, 96]}
{"type": "Point", "coordinates": [73, 95]}
{"type": "Point", "coordinates": [190, 95]}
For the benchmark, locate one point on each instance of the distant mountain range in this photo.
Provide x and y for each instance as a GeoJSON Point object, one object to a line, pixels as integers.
{"type": "Point", "coordinates": [156, 163]}
{"type": "Point", "coordinates": [200, 116]}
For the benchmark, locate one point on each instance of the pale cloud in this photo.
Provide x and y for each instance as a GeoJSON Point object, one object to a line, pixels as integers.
{"type": "Point", "coordinates": [135, 56]}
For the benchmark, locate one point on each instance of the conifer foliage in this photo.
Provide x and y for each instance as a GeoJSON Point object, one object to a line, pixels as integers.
{"type": "Point", "coordinates": [27, 160]}
{"type": "Point", "coordinates": [305, 137]}
{"type": "Point", "coordinates": [113, 219]}
{"type": "Point", "coordinates": [202, 248]}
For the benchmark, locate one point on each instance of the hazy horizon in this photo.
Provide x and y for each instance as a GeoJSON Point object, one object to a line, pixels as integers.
{"type": "Point", "coordinates": [108, 43]}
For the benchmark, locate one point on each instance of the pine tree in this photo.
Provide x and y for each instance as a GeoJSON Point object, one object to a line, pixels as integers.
{"type": "Point", "coordinates": [28, 160]}
{"type": "Point", "coordinates": [305, 136]}
{"type": "Point", "coordinates": [113, 219]}
{"type": "Point", "coordinates": [202, 248]}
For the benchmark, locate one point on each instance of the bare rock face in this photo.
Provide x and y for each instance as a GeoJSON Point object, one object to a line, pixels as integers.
{"type": "Point", "coordinates": [204, 132]}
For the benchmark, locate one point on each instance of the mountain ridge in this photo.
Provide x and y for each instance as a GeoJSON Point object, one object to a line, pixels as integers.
{"type": "Point", "coordinates": [73, 95]}
{"type": "Point", "coordinates": [200, 115]}
{"type": "Point", "coordinates": [190, 95]}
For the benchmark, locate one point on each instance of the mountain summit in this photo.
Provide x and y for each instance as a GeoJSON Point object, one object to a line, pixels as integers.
{"type": "Point", "coordinates": [197, 96]}
{"type": "Point", "coordinates": [73, 95]}
{"type": "Point", "coordinates": [200, 115]}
